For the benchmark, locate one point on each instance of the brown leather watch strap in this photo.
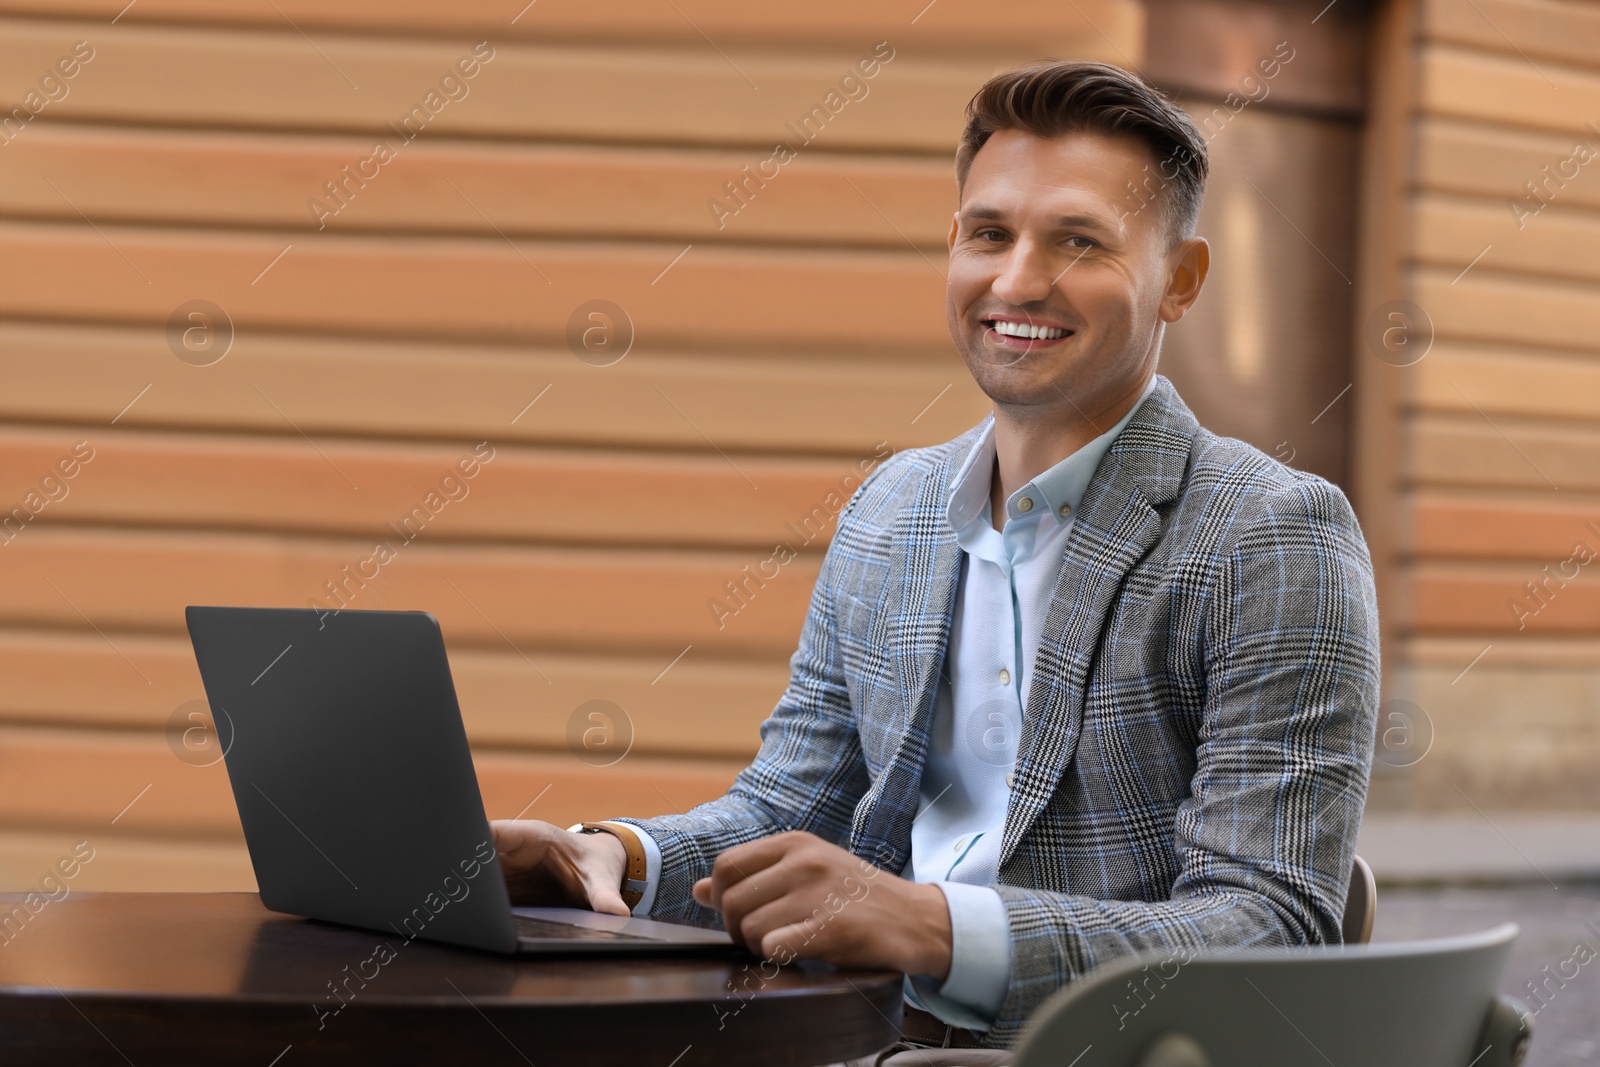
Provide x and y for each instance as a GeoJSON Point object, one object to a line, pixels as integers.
{"type": "Point", "coordinates": [636, 877]}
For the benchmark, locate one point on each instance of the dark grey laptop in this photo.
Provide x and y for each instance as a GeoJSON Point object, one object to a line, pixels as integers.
{"type": "Point", "coordinates": [349, 764]}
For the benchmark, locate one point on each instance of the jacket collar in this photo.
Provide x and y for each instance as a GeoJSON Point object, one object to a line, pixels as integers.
{"type": "Point", "coordinates": [1054, 496]}
{"type": "Point", "coordinates": [1151, 452]}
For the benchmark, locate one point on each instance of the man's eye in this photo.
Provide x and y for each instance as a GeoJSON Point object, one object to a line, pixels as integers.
{"type": "Point", "coordinates": [1081, 242]}
{"type": "Point", "coordinates": [990, 235]}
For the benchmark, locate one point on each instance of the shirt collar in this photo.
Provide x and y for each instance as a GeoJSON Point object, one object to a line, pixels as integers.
{"type": "Point", "coordinates": [1056, 492]}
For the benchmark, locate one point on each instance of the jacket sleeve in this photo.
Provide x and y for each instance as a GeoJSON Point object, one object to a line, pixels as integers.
{"type": "Point", "coordinates": [808, 775]}
{"type": "Point", "coordinates": [1265, 839]}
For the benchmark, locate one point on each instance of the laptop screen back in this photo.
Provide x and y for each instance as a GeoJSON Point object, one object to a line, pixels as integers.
{"type": "Point", "coordinates": [350, 767]}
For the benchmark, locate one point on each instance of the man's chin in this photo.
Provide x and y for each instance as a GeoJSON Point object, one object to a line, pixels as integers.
{"type": "Point", "coordinates": [1018, 395]}
{"type": "Point", "coordinates": [1020, 385]}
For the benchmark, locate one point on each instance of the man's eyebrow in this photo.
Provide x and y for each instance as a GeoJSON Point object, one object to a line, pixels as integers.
{"type": "Point", "coordinates": [1097, 222]}
{"type": "Point", "coordinates": [1072, 221]}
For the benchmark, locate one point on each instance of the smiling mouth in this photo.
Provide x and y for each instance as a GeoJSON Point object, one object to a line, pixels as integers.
{"type": "Point", "coordinates": [1021, 334]}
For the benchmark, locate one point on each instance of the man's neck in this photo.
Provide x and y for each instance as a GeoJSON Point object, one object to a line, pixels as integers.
{"type": "Point", "coordinates": [1026, 444]}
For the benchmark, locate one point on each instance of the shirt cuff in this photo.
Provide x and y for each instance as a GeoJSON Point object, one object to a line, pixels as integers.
{"type": "Point", "coordinates": [652, 864]}
{"type": "Point", "coordinates": [980, 959]}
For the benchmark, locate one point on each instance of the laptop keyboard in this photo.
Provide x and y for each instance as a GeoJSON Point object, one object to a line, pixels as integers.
{"type": "Point", "coordinates": [527, 926]}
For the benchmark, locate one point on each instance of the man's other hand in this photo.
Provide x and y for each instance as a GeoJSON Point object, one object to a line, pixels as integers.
{"type": "Point", "coordinates": [795, 896]}
{"type": "Point", "coordinates": [544, 864]}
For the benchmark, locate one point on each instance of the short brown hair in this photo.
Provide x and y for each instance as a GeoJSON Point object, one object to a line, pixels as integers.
{"type": "Point", "coordinates": [1071, 96]}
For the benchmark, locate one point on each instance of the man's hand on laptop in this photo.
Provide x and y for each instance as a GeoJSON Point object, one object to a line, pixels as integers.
{"type": "Point", "coordinates": [547, 865]}
{"type": "Point", "coordinates": [796, 896]}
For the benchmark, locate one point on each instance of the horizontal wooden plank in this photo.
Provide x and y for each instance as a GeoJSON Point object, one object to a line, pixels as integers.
{"type": "Point", "coordinates": [1504, 381]}
{"type": "Point", "coordinates": [1468, 450]}
{"type": "Point", "coordinates": [1099, 29]}
{"type": "Point", "coordinates": [1455, 525]}
{"type": "Point", "coordinates": [1558, 242]}
{"type": "Point", "coordinates": [272, 180]}
{"type": "Point", "coordinates": [1463, 84]}
{"type": "Point", "coordinates": [693, 706]}
{"type": "Point", "coordinates": [520, 494]}
{"type": "Point", "coordinates": [126, 864]}
{"type": "Point", "coordinates": [65, 780]}
{"type": "Point", "coordinates": [1536, 29]}
{"type": "Point", "coordinates": [1491, 308]}
{"type": "Point", "coordinates": [482, 289]}
{"type": "Point", "coordinates": [686, 93]}
{"type": "Point", "coordinates": [1495, 162]}
{"type": "Point", "coordinates": [1526, 653]}
{"type": "Point", "coordinates": [1495, 599]}
{"type": "Point", "coordinates": [567, 599]}
{"type": "Point", "coordinates": [1505, 737]}
{"type": "Point", "coordinates": [757, 400]}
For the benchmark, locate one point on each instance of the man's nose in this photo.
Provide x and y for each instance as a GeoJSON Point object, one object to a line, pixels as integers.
{"type": "Point", "coordinates": [1026, 275]}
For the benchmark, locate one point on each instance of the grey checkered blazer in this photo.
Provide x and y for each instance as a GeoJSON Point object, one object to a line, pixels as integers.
{"type": "Point", "coordinates": [1198, 734]}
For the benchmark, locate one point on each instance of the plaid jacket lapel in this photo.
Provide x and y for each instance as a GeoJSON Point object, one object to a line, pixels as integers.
{"type": "Point", "coordinates": [923, 575]}
{"type": "Point", "coordinates": [1116, 525]}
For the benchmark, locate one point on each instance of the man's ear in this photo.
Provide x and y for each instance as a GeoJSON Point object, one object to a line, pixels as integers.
{"type": "Point", "coordinates": [1187, 265]}
{"type": "Point", "coordinates": [955, 228]}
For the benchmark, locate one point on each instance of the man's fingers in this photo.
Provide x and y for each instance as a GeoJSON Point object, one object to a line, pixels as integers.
{"type": "Point", "coordinates": [505, 834]}
{"type": "Point", "coordinates": [795, 941]}
{"type": "Point", "coordinates": [790, 911]}
{"type": "Point", "coordinates": [748, 894]}
{"type": "Point", "coordinates": [606, 900]}
{"type": "Point", "coordinates": [521, 842]}
{"type": "Point", "coordinates": [540, 867]}
{"type": "Point", "coordinates": [742, 862]}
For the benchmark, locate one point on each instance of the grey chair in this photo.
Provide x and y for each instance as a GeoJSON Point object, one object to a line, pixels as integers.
{"type": "Point", "coordinates": [1503, 1028]}
{"type": "Point", "coordinates": [1360, 904]}
{"type": "Point", "coordinates": [1402, 1004]}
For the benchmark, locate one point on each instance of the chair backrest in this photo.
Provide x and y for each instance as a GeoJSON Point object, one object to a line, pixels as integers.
{"type": "Point", "coordinates": [1361, 905]}
{"type": "Point", "coordinates": [1401, 1004]}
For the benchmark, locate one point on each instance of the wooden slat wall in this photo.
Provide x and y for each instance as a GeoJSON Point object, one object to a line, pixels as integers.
{"type": "Point", "coordinates": [1504, 412]}
{"type": "Point", "coordinates": [1480, 461]}
{"type": "Point", "coordinates": [1092, 30]}
{"type": "Point", "coordinates": [774, 351]}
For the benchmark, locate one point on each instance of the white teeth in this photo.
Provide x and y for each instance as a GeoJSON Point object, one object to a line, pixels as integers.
{"type": "Point", "coordinates": [1019, 329]}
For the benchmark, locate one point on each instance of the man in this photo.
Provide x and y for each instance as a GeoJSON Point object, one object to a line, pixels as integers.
{"type": "Point", "coordinates": [1086, 681]}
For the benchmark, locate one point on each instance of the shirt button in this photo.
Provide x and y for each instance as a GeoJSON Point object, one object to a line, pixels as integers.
{"type": "Point", "coordinates": [1011, 779]}
{"type": "Point", "coordinates": [1066, 509]}
{"type": "Point", "coordinates": [1005, 676]}
{"type": "Point", "coordinates": [1025, 504]}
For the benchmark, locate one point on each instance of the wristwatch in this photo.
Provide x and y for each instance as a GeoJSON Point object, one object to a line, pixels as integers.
{"type": "Point", "coordinates": [635, 876]}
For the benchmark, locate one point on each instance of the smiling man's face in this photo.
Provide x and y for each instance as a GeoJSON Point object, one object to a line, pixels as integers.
{"type": "Point", "coordinates": [1059, 281]}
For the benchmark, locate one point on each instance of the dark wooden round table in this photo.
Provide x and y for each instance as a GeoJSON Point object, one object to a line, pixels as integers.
{"type": "Point", "coordinates": [214, 978]}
